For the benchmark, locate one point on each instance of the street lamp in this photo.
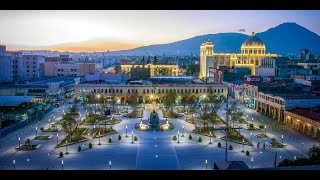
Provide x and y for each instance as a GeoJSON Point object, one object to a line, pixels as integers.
{"type": "Point", "coordinates": [252, 120]}
{"type": "Point", "coordinates": [110, 164]}
{"type": "Point", "coordinates": [99, 137]}
{"type": "Point", "coordinates": [19, 143]}
{"type": "Point", "coordinates": [178, 137]}
{"type": "Point", "coordinates": [251, 136]}
{"type": "Point", "coordinates": [36, 132]}
{"type": "Point", "coordinates": [206, 164]}
{"type": "Point", "coordinates": [247, 117]}
{"type": "Point", "coordinates": [294, 157]}
{"type": "Point", "coordinates": [67, 147]}
{"type": "Point", "coordinates": [243, 145]}
{"type": "Point", "coordinates": [49, 124]}
{"type": "Point", "coordinates": [132, 137]}
{"type": "Point", "coordinates": [126, 131]}
{"type": "Point", "coordinates": [57, 139]}
{"type": "Point", "coordinates": [62, 165]}
{"type": "Point", "coordinates": [282, 139]}
{"type": "Point", "coordinates": [210, 138]}
{"type": "Point", "coordinates": [265, 130]}
{"type": "Point", "coordinates": [14, 164]}
{"type": "Point", "coordinates": [182, 131]}
{"type": "Point", "coordinates": [251, 162]}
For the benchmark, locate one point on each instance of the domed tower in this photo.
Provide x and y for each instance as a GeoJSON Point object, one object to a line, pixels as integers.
{"type": "Point", "coordinates": [253, 45]}
{"type": "Point", "coordinates": [206, 49]}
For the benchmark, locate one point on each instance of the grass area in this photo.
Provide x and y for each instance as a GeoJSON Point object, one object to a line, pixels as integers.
{"type": "Point", "coordinates": [27, 147]}
{"type": "Point", "coordinates": [191, 120]}
{"type": "Point", "coordinates": [262, 136]}
{"type": "Point", "coordinates": [41, 138]}
{"type": "Point", "coordinates": [171, 114]}
{"type": "Point", "coordinates": [213, 118]}
{"type": "Point", "coordinates": [92, 118]}
{"type": "Point", "coordinates": [113, 121]}
{"type": "Point", "coordinates": [77, 136]}
{"type": "Point", "coordinates": [276, 144]}
{"type": "Point", "coordinates": [251, 127]}
{"type": "Point", "coordinates": [236, 137]}
{"type": "Point", "coordinates": [137, 113]}
{"type": "Point", "coordinates": [103, 131]}
{"type": "Point", "coordinates": [206, 131]}
{"type": "Point", "coordinates": [52, 129]}
{"type": "Point", "coordinates": [243, 121]}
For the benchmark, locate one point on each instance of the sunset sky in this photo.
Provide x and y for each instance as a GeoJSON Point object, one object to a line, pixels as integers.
{"type": "Point", "coordinates": [117, 30]}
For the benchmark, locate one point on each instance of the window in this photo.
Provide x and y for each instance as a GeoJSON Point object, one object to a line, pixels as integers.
{"type": "Point", "coordinates": [121, 91]}
{"type": "Point", "coordinates": [112, 90]}
{"type": "Point", "coordinates": [162, 90]}
{"type": "Point", "coordinates": [128, 91]}
{"type": "Point", "coordinates": [144, 91]}
{"type": "Point", "coordinates": [221, 90]}
{"type": "Point", "coordinates": [192, 90]}
{"type": "Point", "coordinates": [166, 90]}
{"type": "Point", "coordinates": [27, 70]}
{"type": "Point", "coordinates": [147, 90]}
{"type": "Point", "coordinates": [204, 90]}
{"type": "Point", "coordinates": [215, 91]}
{"type": "Point", "coordinates": [109, 91]}
{"type": "Point", "coordinates": [178, 91]}
{"type": "Point", "coordinates": [200, 90]}
{"type": "Point", "coordinates": [94, 90]}
{"type": "Point", "coordinates": [218, 90]}
{"type": "Point", "coordinates": [186, 91]}
{"type": "Point", "coordinates": [105, 91]}
{"type": "Point", "coordinates": [196, 91]}
{"type": "Point", "coordinates": [159, 91]}
{"type": "Point", "coordinates": [28, 67]}
{"type": "Point", "coordinates": [136, 90]}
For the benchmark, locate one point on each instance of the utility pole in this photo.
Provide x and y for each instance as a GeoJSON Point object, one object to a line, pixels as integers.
{"type": "Point", "coordinates": [275, 159]}
{"type": "Point", "coordinates": [227, 130]}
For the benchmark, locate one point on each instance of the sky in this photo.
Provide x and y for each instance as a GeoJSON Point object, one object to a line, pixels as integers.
{"type": "Point", "coordinates": [77, 30]}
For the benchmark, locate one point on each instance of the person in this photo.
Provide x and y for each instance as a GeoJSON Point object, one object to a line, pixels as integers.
{"type": "Point", "coordinates": [258, 145]}
{"type": "Point", "coordinates": [264, 146]}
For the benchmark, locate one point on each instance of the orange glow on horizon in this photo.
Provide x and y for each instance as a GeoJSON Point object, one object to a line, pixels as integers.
{"type": "Point", "coordinates": [87, 47]}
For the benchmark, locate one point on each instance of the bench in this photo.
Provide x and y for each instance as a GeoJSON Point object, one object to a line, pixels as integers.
{"type": "Point", "coordinates": [38, 146]}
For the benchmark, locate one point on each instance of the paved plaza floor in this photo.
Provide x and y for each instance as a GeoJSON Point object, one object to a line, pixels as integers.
{"type": "Point", "coordinates": [154, 150]}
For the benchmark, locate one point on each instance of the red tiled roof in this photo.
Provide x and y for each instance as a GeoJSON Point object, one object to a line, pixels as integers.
{"type": "Point", "coordinates": [307, 113]}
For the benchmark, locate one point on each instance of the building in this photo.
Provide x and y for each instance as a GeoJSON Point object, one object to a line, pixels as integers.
{"type": "Point", "coordinates": [45, 87]}
{"type": "Point", "coordinates": [121, 92]}
{"type": "Point", "coordinates": [32, 66]}
{"type": "Point", "coordinates": [230, 165]}
{"type": "Point", "coordinates": [106, 78]}
{"type": "Point", "coordinates": [309, 65]}
{"type": "Point", "coordinates": [272, 99]}
{"type": "Point", "coordinates": [252, 51]}
{"type": "Point", "coordinates": [307, 80]}
{"type": "Point", "coordinates": [10, 65]}
{"type": "Point", "coordinates": [171, 79]}
{"type": "Point", "coordinates": [70, 69]}
{"type": "Point", "coordinates": [304, 120]}
{"type": "Point", "coordinates": [305, 55]}
{"type": "Point", "coordinates": [155, 70]}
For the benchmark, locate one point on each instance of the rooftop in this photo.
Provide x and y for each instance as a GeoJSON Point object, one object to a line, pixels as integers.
{"type": "Point", "coordinates": [230, 165]}
{"type": "Point", "coordinates": [314, 115]}
{"type": "Point", "coordinates": [14, 100]}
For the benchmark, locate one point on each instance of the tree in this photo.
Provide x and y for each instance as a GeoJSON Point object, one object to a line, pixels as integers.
{"type": "Point", "coordinates": [28, 141]}
{"type": "Point", "coordinates": [79, 148]}
{"type": "Point", "coordinates": [190, 137]}
{"type": "Point", "coordinates": [314, 153]}
{"type": "Point", "coordinates": [148, 60]}
{"type": "Point", "coordinates": [119, 137]}
{"type": "Point", "coordinates": [193, 70]}
{"type": "Point", "coordinates": [90, 146]}
{"type": "Point", "coordinates": [155, 60]}
{"type": "Point", "coordinates": [169, 99]}
{"type": "Point", "coordinates": [174, 138]}
{"type": "Point", "coordinates": [61, 154]}
{"type": "Point", "coordinates": [69, 124]}
{"type": "Point", "coordinates": [110, 140]}
{"type": "Point", "coordinates": [247, 153]}
{"type": "Point", "coordinates": [230, 147]}
{"type": "Point", "coordinates": [219, 144]}
{"type": "Point", "coordinates": [135, 138]}
{"type": "Point", "coordinates": [199, 139]}
{"type": "Point", "coordinates": [132, 100]}
{"type": "Point", "coordinates": [74, 109]}
{"type": "Point", "coordinates": [143, 61]}
{"type": "Point", "coordinates": [117, 69]}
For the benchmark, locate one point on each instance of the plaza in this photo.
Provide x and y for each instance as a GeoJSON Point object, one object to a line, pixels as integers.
{"type": "Point", "coordinates": [154, 150]}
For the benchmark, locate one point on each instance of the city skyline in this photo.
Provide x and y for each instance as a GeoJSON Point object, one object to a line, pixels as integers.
{"type": "Point", "coordinates": [119, 30]}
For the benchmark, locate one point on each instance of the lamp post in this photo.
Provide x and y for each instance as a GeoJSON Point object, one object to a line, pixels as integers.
{"type": "Point", "coordinates": [251, 162]}
{"type": "Point", "coordinates": [182, 131]}
{"type": "Point", "coordinates": [178, 137]}
{"type": "Point", "coordinates": [251, 120]}
{"type": "Point", "coordinates": [206, 164]}
{"type": "Point", "coordinates": [247, 117]}
{"type": "Point", "coordinates": [126, 131]}
{"type": "Point", "coordinates": [67, 147]}
{"type": "Point", "coordinates": [282, 139]}
{"type": "Point", "coordinates": [14, 164]}
{"type": "Point", "coordinates": [19, 143]}
{"type": "Point", "coordinates": [131, 137]}
{"type": "Point", "coordinates": [265, 130]}
{"type": "Point", "coordinates": [99, 137]}
{"type": "Point", "coordinates": [110, 164]}
{"type": "Point", "coordinates": [36, 132]}
{"type": "Point", "coordinates": [49, 124]}
{"type": "Point", "coordinates": [57, 139]}
{"type": "Point", "coordinates": [48, 161]}
{"type": "Point", "coordinates": [251, 136]}
{"type": "Point", "coordinates": [243, 145]}
{"type": "Point", "coordinates": [294, 157]}
{"type": "Point", "coordinates": [210, 138]}
{"type": "Point", "coordinates": [62, 165]}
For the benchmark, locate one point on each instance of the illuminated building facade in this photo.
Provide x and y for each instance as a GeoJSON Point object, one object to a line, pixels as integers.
{"type": "Point", "coordinates": [252, 51]}
{"type": "Point", "coordinates": [155, 70]}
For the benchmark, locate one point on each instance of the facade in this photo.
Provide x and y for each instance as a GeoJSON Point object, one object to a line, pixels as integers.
{"type": "Point", "coordinates": [252, 51]}
{"type": "Point", "coordinates": [10, 65]}
{"type": "Point", "coordinates": [310, 65]}
{"type": "Point", "coordinates": [274, 99]}
{"type": "Point", "coordinates": [304, 121]}
{"type": "Point", "coordinates": [32, 66]}
{"type": "Point", "coordinates": [305, 55]}
{"type": "Point", "coordinates": [70, 69]}
{"type": "Point", "coordinates": [57, 87]}
{"type": "Point", "coordinates": [123, 92]}
{"type": "Point", "coordinates": [155, 70]}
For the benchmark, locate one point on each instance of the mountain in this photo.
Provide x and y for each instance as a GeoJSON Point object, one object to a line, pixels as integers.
{"type": "Point", "coordinates": [285, 39]}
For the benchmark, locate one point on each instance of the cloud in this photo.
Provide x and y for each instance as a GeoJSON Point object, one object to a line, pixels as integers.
{"type": "Point", "coordinates": [242, 30]}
